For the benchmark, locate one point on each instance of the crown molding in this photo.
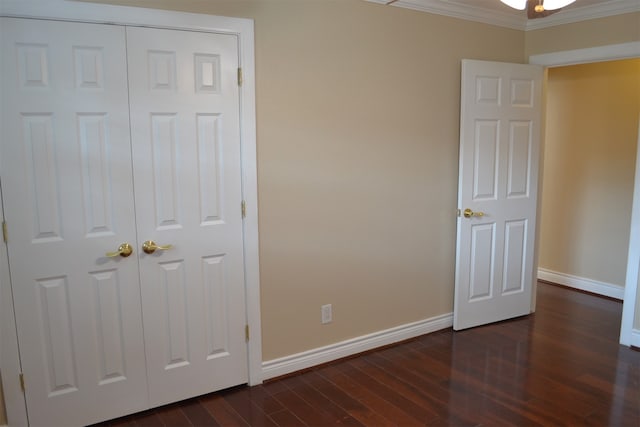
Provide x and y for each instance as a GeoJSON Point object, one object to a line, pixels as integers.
{"type": "Point", "coordinates": [466, 12]}
{"type": "Point", "coordinates": [584, 13]}
{"type": "Point", "coordinates": [517, 21]}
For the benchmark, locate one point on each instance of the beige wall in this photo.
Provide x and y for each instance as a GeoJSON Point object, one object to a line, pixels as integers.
{"type": "Point", "coordinates": [580, 35]}
{"type": "Point", "coordinates": [589, 167]}
{"type": "Point", "coordinates": [357, 117]}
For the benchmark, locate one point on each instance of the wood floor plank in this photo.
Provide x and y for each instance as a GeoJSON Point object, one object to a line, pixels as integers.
{"type": "Point", "coordinates": [434, 391]}
{"type": "Point", "coordinates": [372, 407]}
{"type": "Point", "coordinates": [221, 411]}
{"type": "Point", "coordinates": [251, 412]}
{"type": "Point", "coordinates": [340, 391]}
{"type": "Point", "coordinates": [148, 419]}
{"type": "Point", "coordinates": [197, 414]}
{"type": "Point", "coordinates": [285, 418]}
{"type": "Point", "coordinates": [301, 409]}
{"type": "Point", "coordinates": [263, 397]}
{"type": "Point", "coordinates": [561, 366]}
{"type": "Point", "coordinates": [382, 399]}
{"type": "Point", "coordinates": [122, 422]}
{"type": "Point", "coordinates": [411, 391]}
{"type": "Point", "coordinates": [173, 416]}
{"type": "Point", "coordinates": [334, 413]}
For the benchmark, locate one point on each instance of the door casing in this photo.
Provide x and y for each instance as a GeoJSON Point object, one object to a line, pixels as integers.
{"type": "Point", "coordinates": [123, 15]}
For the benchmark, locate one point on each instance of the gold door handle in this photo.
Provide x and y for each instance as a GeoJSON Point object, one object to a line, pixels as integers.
{"type": "Point", "coordinates": [468, 213]}
{"type": "Point", "coordinates": [150, 247]}
{"type": "Point", "coordinates": [124, 250]}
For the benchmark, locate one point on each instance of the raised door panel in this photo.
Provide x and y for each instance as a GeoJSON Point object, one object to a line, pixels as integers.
{"type": "Point", "coordinates": [515, 257]}
{"type": "Point", "coordinates": [486, 160]}
{"type": "Point", "coordinates": [41, 176]}
{"type": "Point", "coordinates": [55, 323]}
{"type": "Point", "coordinates": [520, 157]}
{"type": "Point", "coordinates": [215, 285]}
{"type": "Point", "coordinates": [483, 239]}
{"type": "Point", "coordinates": [174, 311]}
{"type": "Point", "coordinates": [186, 152]}
{"type": "Point", "coordinates": [68, 199]}
{"type": "Point", "coordinates": [109, 325]}
{"type": "Point", "coordinates": [98, 192]}
{"type": "Point", "coordinates": [166, 149]}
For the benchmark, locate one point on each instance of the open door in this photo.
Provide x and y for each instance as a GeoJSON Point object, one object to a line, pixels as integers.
{"type": "Point", "coordinates": [500, 123]}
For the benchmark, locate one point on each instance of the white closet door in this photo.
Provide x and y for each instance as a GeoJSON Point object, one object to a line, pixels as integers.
{"type": "Point", "coordinates": [68, 199]}
{"type": "Point", "coordinates": [184, 100]}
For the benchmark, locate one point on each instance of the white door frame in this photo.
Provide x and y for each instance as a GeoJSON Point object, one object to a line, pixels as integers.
{"type": "Point", "coordinates": [243, 29]}
{"type": "Point", "coordinates": [628, 336]}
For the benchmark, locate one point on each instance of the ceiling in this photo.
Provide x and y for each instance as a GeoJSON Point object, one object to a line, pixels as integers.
{"type": "Point", "coordinates": [496, 13]}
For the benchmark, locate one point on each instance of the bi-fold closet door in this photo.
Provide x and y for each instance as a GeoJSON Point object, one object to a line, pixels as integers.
{"type": "Point", "coordinates": [116, 135]}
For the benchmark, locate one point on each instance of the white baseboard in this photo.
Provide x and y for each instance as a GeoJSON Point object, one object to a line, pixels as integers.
{"type": "Point", "coordinates": [584, 284]}
{"type": "Point", "coordinates": [307, 359]}
{"type": "Point", "coordinates": [635, 337]}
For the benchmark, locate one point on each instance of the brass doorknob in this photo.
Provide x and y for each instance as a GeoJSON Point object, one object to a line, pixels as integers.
{"type": "Point", "coordinates": [124, 250]}
{"type": "Point", "coordinates": [150, 247]}
{"type": "Point", "coordinates": [468, 213]}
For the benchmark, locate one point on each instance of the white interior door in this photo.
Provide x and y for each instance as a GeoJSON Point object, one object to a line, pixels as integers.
{"type": "Point", "coordinates": [186, 149]}
{"type": "Point", "coordinates": [498, 188]}
{"type": "Point", "coordinates": [68, 199]}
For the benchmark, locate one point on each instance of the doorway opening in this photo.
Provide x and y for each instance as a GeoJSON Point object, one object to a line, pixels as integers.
{"type": "Point", "coordinates": [589, 167]}
{"type": "Point", "coordinates": [629, 256]}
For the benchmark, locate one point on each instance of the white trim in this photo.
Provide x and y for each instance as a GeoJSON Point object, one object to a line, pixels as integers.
{"type": "Point", "coordinates": [633, 263]}
{"type": "Point", "coordinates": [588, 55]}
{"type": "Point", "coordinates": [516, 19]}
{"type": "Point", "coordinates": [307, 359]}
{"type": "Point", "coordinates": [635, 338]}
{"type": "Point", "coordinates": [582, 283]}
{"type": "Point", "coordinates": [250, 195]}
{"type": "Point", "coordinates": [243, 29]}
{"type": "Point", "coordinates": [14, 402]}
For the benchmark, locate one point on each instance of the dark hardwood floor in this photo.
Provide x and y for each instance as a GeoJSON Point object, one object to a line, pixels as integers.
{"type": "Point", "coordinates": [560, 366]}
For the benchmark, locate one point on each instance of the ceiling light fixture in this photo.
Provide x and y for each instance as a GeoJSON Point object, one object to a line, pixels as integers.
{"type": "Point", "coordinates": [542, 4]}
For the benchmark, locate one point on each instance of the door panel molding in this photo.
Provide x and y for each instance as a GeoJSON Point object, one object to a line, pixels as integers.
{"type": "Point", "coordinates": [98, 13]}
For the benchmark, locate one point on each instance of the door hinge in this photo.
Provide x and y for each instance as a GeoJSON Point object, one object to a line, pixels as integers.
{"type": "Point", "coordinates": [5, 233]}
{"type": "Point", "coordinates": [246, 333]}
{"type": "Point", "coordinates": [239, 76]}
{"type": "Point", "coordinates": [22, 387]}
{"type": "Point", "coordinates": [243, 209]}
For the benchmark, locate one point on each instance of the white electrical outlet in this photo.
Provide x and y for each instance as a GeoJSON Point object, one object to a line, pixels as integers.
{"type": "Point", "coordinates": [327, 316]}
